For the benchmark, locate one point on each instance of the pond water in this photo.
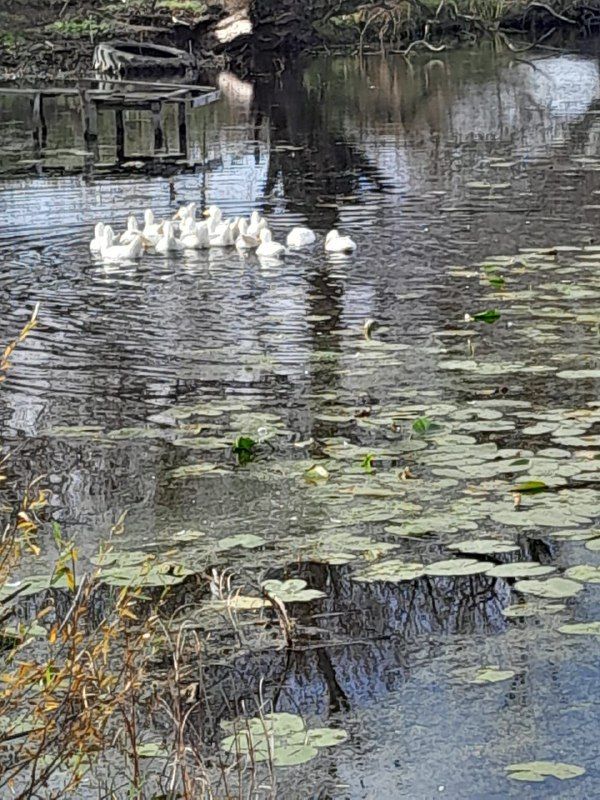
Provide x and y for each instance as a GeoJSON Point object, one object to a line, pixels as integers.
{"type": "Point", "coordinates": [470, 182]}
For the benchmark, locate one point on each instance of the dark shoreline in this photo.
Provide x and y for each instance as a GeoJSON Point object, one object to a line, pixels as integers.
{"type": "Point", "coordinates": [38, 43]}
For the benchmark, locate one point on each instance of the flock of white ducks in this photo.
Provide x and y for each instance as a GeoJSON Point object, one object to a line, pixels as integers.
{"type": "Point", "coordinates": [185, 232]}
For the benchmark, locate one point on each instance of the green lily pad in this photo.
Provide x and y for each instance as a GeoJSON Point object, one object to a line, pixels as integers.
{"type": "Point", "coordinates": [484, 547]}
{"type": "Point", "coordinates": [456, 567]}
{"type": "Point", "coordinates": [539, 770]}
{"type": "Point", "coordinates": [281, 737]}
{"type": "Point", "coordinates": [581, 628]}
{"type": "Point", "coordinates": [127, 558]}
{"type": "Point", "coordinates": [579, 374]}
{"type": "Point", "coordinates": [520, 569]}
{"type": "Point", "coordinates": [492, 674]}
{"type": "Point", "coordinates": [152, 750]}
{"type": "Point", "coordinates": [593, 544]}
{"type": "Point", "coordinates": [194, 470]}
{"type": "Point", "coordinates": [188, 535]}
{"type": "Point", "coordinates": [317, 474]}
{"type": "Point", "coordinates": [532, 609]}
{"type": "Point", "coordinates": [392, 571]}
{"type": "Point", "coordinates": [586, 573]}
{"type": "Point", "coordinates": [291, 591]}
{"type": "Point", "coordinates": [246, 540]}
{"type": "Point", "coordinates": [291, 755]}
{"type": "Point", "coordinates": [326, 737]}
{"type": "Point", "coordinates": [553, 588]}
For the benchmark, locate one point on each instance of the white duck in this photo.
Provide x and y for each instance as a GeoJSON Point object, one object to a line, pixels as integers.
{"type": "Point", "coordinates": [152, 231]}
{"type": "Point", "coordinates": [202, 233]}
{"type": "Point", "coordinates": [167, 242]}
{"type": "Point", "coordinates": [132, 230]}
{"type": "Point", "coordinates": [244, 240]}
{"type": "Point", "coordinates": [189, 235]}
{"type": "Point", "coordinates": [267, 247]}
{"type": "Point", "coordinates": [256, 224]}
{"type": "Point", "coordinates": [214, 215]}
{"type": "Point", "coordinates": [334, 243]}
{"type": "Point", "coordinates": [120, 252]}
{"type": "Point", "coordinates": [98, 240]}
{"type": "Point", "coordinates": [300, 237]}
{"type": "Point", "coordinates": [220, 232]}
{"type": "Point", "coordinates": [186, 212]}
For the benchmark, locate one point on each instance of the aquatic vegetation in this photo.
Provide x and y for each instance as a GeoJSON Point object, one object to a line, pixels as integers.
{"type": "Point", "coordinates": [538, 771]}
{"type": "Point", "coordinates": [279, 737]}
{"type": "Point", "coordinates": [291, 591]}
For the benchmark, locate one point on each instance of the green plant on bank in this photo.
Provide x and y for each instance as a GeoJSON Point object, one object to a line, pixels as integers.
{"type": "Point", "coordinates": [80, 28]}
{"type": "Point", "coordinates": [79, 685]}
{"type": "Point", "coordinates": [196, 7]}
{"type": "Point", "coordinates": [405, 24]}
{"type": "Point", "coordinates": [74, 681]}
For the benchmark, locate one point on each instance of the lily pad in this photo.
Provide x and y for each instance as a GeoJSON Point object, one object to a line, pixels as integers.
{"type": "Point", "coordinates": [317, 474]}
{"type": "Point", "coordinates": [281, 737]}
{"type": "Point", "coordinates": [520, 569]}
{"type": "Point", "coordinates": [291, 591]}
{"type": "Point", "coordinates": [553, 588]}
{"type": "Point", "coordinates": [455, 567]}
{"type": "Point", "coordinates": [193, 470]}
{"type": "Point", "coordinates": [392, 571]}
{"type": "Point", "coordinates": [586, 573]}
{"type": "Point", "coordinates": [246, 540]}
{"type": "Point", "coordinates": [492, 674]}
{"type": "Point", "coordinates": [581, 628]}
{"type": "Point", "coordinates": [540, 770]}
{"type": "Point", "coordinates": [484, 547]}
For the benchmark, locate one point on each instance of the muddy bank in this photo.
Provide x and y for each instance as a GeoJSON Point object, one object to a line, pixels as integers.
{"type": "Point", "coordinates": [57, 39]}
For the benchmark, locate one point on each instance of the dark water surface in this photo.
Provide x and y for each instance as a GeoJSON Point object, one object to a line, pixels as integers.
{"type": "Point", "coordinates": [433, 168]}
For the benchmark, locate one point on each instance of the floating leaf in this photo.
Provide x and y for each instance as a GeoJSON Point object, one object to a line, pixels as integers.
{"type": "Point", "coordinates": [392, 571]}
{"type": "Point", "coordinates": [553, 588]}
{"type": "Point", "coordinates": [291, 591]}
{"type": "Point", "coordinates": [520, 569]}
{"type": "Point", "coordinates": [530, 487]}
{"type": "Point", "coordinates": [316, 474]}
{"type": "Point", "coordinates": [423, 426]}
{"type": "Point", "coordinates": [455, 567]}
{"type": "Point", "coordinates": [581, 628]}
{"type": "Point", "coordinates": [152, 750]}
{"type": "Point", "coordinates": [492, 674]}
{"type": "Point", "coordinates": [484, 547]}
{"type": "Point", "coordinates": [241, 602]}
{"type": "Point", "coordinates": [246, 540]}
{"type": "Point", "coordinates": [280, 736]}
{"type": "Point", "coordinates": [532, 609]}
{"type": "Point", "coordinates": [188, 535]}
{"type": "Point", "coordinates": [586, 573]}
{"type": "Point", "coordinates": [489, 316]}
{"type": "Point", "coordinates": [593, 544]}
{"type": "Point", "coordinates": [326, 737]}
{"type": "Point", "coordinates": [244, 449]}
{"type": "Point", "coordinates": [293, 754]}
{"type": "Point", "coordinates": [539, 770]}
{"type": "Point", "coordinates": [579, 374]}
{"type": "Point", "coordinates": [193, 470]}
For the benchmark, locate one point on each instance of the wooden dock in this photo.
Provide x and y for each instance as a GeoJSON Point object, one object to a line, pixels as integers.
{"type": "Point", "coordinates": [119, 96]}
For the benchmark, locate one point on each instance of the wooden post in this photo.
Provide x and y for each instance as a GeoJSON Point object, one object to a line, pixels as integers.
{"type": "Point", "coordinates": [157, 124]}
{"type": "Point", "coordinates": [40, 131]}
{"type": "Point", "coordinates": [120, 135]}
{"type": "Point", "coordinates": [182, 124]}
